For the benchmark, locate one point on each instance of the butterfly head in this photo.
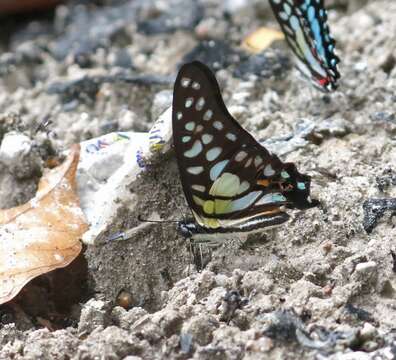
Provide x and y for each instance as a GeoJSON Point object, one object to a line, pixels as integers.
{"type": "Point", "coordinates": [296, 188]}
{"type": "Point", "coordinates": [187, 228]}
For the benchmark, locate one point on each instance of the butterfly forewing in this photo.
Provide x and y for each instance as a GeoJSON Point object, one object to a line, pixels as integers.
{"type": "Point", "coordinates": [226, 174]}
{"type": "Point", "coordinates": [304, 23]}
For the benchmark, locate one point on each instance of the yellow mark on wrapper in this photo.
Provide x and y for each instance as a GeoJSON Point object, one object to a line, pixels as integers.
{"type": "Point", "coordinates": [261, 39]}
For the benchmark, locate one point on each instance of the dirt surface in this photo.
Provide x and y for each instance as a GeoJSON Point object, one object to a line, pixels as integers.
{"type": "Point", "coordinates": [323, 286]}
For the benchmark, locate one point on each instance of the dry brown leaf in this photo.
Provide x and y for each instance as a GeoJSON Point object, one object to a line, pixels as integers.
{"type": "Point", "coordinates": [261, 39]}
{"type": "Point", "coordinates": [43, 234]}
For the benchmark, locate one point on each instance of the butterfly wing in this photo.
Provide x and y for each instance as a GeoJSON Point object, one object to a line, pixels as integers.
{"type": "Point", "coordinates": [227, 176]}
{"type": "Point", "coordinates": [304, 23]}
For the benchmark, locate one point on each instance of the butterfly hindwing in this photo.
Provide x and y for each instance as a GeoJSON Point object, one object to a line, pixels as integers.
{"type": "Point", "coordinates": [227, 176]}
{"type": "Point", "coordinates": [304, 23]}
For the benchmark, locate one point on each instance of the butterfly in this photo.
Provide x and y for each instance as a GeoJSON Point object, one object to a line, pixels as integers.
{"type": "Point", "coordinates": [304, 23]}
{"type": "Point", "coordinates": [232, 184]}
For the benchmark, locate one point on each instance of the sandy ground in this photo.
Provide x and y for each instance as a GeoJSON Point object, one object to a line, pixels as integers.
{"type": "Point", "coordinates": [322, 286]}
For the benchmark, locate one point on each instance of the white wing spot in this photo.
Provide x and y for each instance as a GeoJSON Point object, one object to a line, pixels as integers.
{"type": "Point", "coordinates": [200, 104]}
{"type": "Point", "coordinates": [218, 125]}
{"type": "Point", "coordinates": [189, 102]}
{"type": "Point", "coordinates": [179, 115]}
{"type": "Point", "coordinates": [240, 156]}
{"type": "Point", "coordinates": [208, 115]}
{"type": "Point", "coordinates": [195, 85]}
{"type": "Point", "coordinates": [248, 163]}
{"type": "Point", "coordinates": [199, 128]}
{"type": "Point", "coordinates": [185, 82]}
{"type": "Point", "coordinates": [199, 188]}
{"type": "Point", "coordinates": [258, 161]}
{"type": "Point", "coordinates": [195, 170]}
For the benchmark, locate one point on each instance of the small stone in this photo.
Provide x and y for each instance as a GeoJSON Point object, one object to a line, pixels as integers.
{"type": "Point", "coordinates": [264, 344]}
{"type": "Point", "coordinates": [368, 332]}
{"type": "Point", "coordinates": [327, 290]}
{"type": "Point", "coordinates": [366, 267]}
{"type": "Point", "coordinates": [201, 328]}
{"type": "Point", "coordinates": [93, 315]}
{"type": "Point", "coordinates": [327, 246]}
{"type": "Point", "coordinates": [14, 147]}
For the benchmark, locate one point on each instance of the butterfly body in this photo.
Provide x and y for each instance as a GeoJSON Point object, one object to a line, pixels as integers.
{"type": "Point", "coordinates": [190, 229]}
{"type": "Point", "coordinates": [304, 23]}
{"type": "Point", "coordinates": [231, 182]}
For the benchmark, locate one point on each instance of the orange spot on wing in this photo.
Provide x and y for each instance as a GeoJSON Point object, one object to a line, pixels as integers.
{"type": "Point", "coordinates": [263, 182]}
{"type": "Point", "coordinates": [274, 211]}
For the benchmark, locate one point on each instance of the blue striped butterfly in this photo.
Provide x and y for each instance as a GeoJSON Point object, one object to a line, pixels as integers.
{"type": "Point", "coordinates": [304, 23]}
{"type": "Point", "coordinates": [232, 183]}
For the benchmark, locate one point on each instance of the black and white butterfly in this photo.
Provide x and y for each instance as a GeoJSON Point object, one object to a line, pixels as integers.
{"type": "Point", "coordinates": [231, 182]}
{"type": "Point", "coordinates": [304, 23]}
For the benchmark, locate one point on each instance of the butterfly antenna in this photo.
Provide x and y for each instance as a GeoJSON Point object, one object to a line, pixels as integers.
{"type": "Point", "coordinates": [141, 219]}
{"type": "Point", "coordinates": [201, 254]}
{"type": "Point", "coordinates": [190, 251]}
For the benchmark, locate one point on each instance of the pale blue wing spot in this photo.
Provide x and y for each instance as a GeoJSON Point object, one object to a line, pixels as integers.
{"type": "Point", "coordinates": [207, 138]}
{"type": "Point", "coordinates": [186, 139]}
{"type": "Point", "coordinates": [311, 13]}
{"type": "Point", "coordinates": [217, 169]}
{"type": "Point", "coordinates": [190, 126]}
{"type": "Point", "coordinates": [268, 171]}
{"type": "Point", "coordinates": [195, 150]}
{"type": "Point", "coordinates": [287, 9]}
{"type": "Point", "coordinates": [213, 153]}
{"type": "Point", "coordinates": [301, 186]}
{"type": "Point", "coordinates": [189, 102]}
{"type": "Point", "coordinates": [283, 16]}
{"type": "Point", "coordinates": [285, 174]}
{"type": "Point", "coordinates": [231, 136]}
{"type": "Point", "coordinates": [305, 47]}
{"type": "Point", "coordinates": [244, 202]}
{"type": "Point", "coordinates": [270, 199]}
{"type": "Point", "coordinates": [245, 185]}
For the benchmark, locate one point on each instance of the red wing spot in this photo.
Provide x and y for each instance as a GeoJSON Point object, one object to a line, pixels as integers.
{"type": "Point", "coordinates": [323, 82]}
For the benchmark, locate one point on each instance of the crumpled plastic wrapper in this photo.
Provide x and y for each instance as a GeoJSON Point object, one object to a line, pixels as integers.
{"type": "Point", "coordinates": [109, 164]}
